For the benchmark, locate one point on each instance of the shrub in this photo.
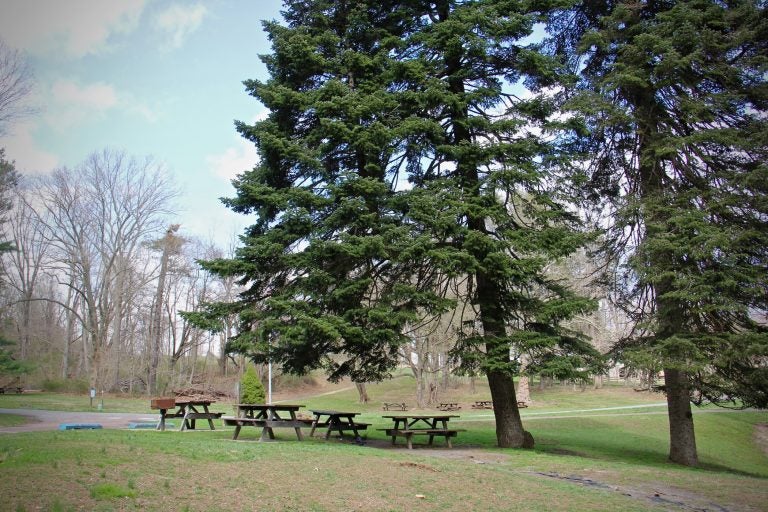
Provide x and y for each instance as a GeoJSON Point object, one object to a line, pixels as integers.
{"type": "Point", "coordinates": [78, 386]}
{"type": "Point", "coordinates": [251, 388]}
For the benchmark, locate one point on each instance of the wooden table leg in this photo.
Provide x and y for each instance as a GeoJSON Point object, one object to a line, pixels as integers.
{"type": "Point", "coordinates": [332, 422]}
{"type": "Point", "coordinates": [314, 425]}
{"type": "Point", "coordinates": [161, 424]}
{"type": "Point", "coordinates": [237, 431]}
{"type": "Point", "coordinates": [184, 421]}
{"type": "Point", "coordinates": [210, 420]}
{"type": "Point", "coordinates": [297, 429]}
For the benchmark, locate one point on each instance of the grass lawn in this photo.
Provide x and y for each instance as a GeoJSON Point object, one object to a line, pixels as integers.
{"type": "Point", "coordinates": [612, 458]}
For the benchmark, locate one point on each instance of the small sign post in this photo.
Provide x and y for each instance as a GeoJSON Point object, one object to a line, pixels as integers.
{"type": "Point", "coordinates": [93, 395]}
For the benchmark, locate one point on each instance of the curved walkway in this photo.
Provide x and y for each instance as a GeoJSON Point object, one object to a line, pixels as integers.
{"type": "Point", "coordinates": [50, 420]}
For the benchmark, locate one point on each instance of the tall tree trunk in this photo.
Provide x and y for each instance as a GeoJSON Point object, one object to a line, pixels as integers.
{"type": "Point", "coordinates": [682, 439]}
{"type": "Point", "coordinates": [524, 389]}
{"type": "Point", "coordinates": [362, 393]}
{"type": "Point", "coordinates": [509, 426]}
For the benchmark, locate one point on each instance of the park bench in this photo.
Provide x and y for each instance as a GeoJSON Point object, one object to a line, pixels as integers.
{"type": "Point", "coordinates": [393, 406]}
{"type": "Point", "coordinates": [448, 406]}
{"type": "Point", "coordinates": [408, 434]}
{"type": "Point", "coordinates": [264, 423]}
{"type": "Point", "coordinates": [11, 389]}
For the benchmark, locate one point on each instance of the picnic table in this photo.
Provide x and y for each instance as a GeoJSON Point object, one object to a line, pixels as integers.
{"type": "Point", "coordinates": [394, 406]}
{"type": "Point", "coordinates": [266, 416]}
{"type": "Point", "coordinates": [409, 425]}
{"type": "Point", "coordinates": [448, 406]}
{"type": "Point", "coordinates": [338, 421]}
{"type": "Point", "coordinates": [488, 404]}
{"type": "Point", "coordinates": [189, 409]}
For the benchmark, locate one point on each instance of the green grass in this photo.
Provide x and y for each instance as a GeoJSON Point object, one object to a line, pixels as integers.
{"type": "Point", "coordinates": [12, 420]}
{"type": "Point", "coordinates": [206, 470]}
{"type": "Point", "coordinates": [73, 402]}
{"type": "Point", "coordinates": [606, 459]}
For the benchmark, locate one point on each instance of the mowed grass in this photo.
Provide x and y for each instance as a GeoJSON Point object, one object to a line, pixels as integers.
{"type": "Point", "coordinates": [611, 458]}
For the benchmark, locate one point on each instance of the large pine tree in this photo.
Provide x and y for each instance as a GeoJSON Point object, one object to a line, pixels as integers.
{"type": "Point", "coordinates": [674, 94]}
{"type": "Point", "coordinates": [398, 167]}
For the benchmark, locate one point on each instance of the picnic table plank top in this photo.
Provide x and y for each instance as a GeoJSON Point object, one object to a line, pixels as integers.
{"type": "Point", "coordinates": [420, 416]}
{"type": "Point", "coordinates": [279, 407]}
{"type": "Point", "coordinates": [322, 412]}
{"type": "Point", "coordinates": [193, 401]}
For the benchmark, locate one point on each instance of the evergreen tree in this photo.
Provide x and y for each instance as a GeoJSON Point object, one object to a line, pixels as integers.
{"type": "Point", "coordinates": [322, 260]}
{"type": "Point", "coordinates": [9, 177]}
{"type": "Point", "coordinates": [396, 163]}
{"type": "Point", "coordinates": [251, 388]}
{"type": "Point", "coordinates": [674, 95]}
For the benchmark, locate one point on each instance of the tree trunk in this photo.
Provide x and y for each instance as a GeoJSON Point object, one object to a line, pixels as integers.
{"type": "Point", "coordinates": [509, 426]}
{"type": "Point", "coordinates": [524, 390]}
{"type": "Point", "coordinates": [682, 439]}
{"type": "Point", "coordinates": [362, 393]}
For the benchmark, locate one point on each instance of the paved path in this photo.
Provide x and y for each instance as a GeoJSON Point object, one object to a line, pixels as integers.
{"type": "Point", "coordinates": [50, 420]}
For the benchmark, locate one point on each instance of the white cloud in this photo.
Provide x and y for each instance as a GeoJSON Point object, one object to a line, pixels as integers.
{"type": "Point", "coordinates": [234, 160]}
{"type": "Point", "coordinates": [72, 103]}
{"type": "Point", "coordinates": [21, 147]}
{"type": "Point", "coordinates": [179, 21]}
{"type": "Point", "coordinates": [98, 96]}
{"type": "Point", "coordinates": [73, 27]}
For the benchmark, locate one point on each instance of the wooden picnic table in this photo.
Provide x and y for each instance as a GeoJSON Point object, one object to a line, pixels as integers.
{"type": "Point", "coordinates": [189, 411]}
{"type": "Point", "coordinates": [268, 417]}
{"type": "Point", "coordinates": [408, 425]}
{"type": "Point", "coordinates": [394, 406]}
{"type": "Point", "coordinates": [338, 421]}
{"type": "Point", "coordinates": [483, 404]}
{"type": "Point", "coordinates": [448, 406]}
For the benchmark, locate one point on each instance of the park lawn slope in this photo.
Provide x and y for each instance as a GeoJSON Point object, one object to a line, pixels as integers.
{"type": "Point", "coordinates": [596, 463]}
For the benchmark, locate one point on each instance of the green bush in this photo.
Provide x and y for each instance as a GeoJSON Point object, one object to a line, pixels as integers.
{"type": "Point", "coordinates": [251, 388]}
{"type": "Point", "coordinates": [65, 386]}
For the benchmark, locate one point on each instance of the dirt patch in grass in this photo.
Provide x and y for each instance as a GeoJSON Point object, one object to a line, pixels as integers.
{"type": "Point", "coordinates": [655, 494]}
{"type": "Point", "coordinates": [761, 436]}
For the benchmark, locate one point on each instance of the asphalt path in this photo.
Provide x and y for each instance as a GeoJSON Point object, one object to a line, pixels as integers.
{"type": "Point", "coordinates": [50, 420]}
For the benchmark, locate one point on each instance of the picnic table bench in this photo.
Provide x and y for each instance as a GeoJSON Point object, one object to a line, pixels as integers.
{"type": "Point", "coordinates": [187, 409]}
{"type": "Point", "coordinates": [11, 389]}
{"type": "Point", "coordinates": [408, 426]}
{"type": "Point", "coordinates": [448, 406]}
{"type": "Point", "coordinates": [267, 417]}
{"type": "Point", "coordinates": [394, 406]}
{"type": "Point", "coordinates": [337, 421]}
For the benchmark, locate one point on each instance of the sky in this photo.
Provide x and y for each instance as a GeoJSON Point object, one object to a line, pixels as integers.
{"type": "Point", "coordinates": [147, 77]}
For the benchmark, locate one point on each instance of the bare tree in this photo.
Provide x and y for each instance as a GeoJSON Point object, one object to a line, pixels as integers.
{"type": "Point", "coordinates": [23, 264]}
{"type": "Point", "coordinates": [96, 216]}
{"type": "Point", "coordinates": [15, 85]}
{"type": "Point", "coordinates": [169, 246]}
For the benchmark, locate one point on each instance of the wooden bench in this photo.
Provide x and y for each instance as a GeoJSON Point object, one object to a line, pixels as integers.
{"type": "Point", "coordinates": [239, 423]}
{"type": "Point", "coordinates": [448, 406]}
{"type": "Point", "coordinates": [391, 406]}
{"type": "Point", "coordinates": [448, 433]}
{"type": "Point", "coordinates": [354, 426]}
{"type": "Point", "coordinates": [11, 389]}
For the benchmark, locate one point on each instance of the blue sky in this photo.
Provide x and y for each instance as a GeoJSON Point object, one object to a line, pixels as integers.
{"type": "Point", "coordinates": [149, 78]}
